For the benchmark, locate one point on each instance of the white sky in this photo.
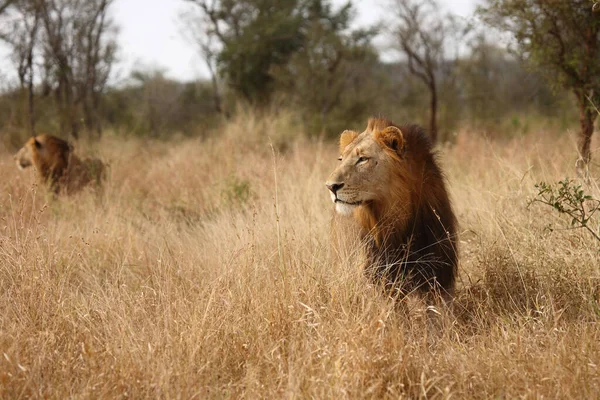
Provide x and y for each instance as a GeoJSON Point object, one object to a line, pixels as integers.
{"type": "Point", "coordinates": [150, 36]}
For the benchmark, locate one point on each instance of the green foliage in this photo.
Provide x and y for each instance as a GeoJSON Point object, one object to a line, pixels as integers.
{"type": "Point", "coordinates": [568, 198]}
{"type": "Point", "coordinates": [561, 37]}
{"type": "Point", "coordinates": [261, 34]}
{"type": "Point", "coordinates": [489, 99]}
{"type": "Point", "coordinates": [306, 56]}
{"type": "Point", "coordinates": [325, 78]}
{"type": "Point", "coordinates": [303, 51]}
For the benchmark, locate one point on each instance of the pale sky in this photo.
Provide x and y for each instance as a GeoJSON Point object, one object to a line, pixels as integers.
{"type": "Point", "coordinates": [150, 36]}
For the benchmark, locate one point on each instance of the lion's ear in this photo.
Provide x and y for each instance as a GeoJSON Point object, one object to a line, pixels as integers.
{"type": "Point", "coordinates": [346, 138]}
{"type": "Point", "coordinates": [36, 143]}
{"type": "Point", "coordinates": [392, 137]}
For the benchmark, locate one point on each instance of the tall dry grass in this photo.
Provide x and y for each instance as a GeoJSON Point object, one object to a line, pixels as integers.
{"type": "Point", "coordinates": [194, 275]}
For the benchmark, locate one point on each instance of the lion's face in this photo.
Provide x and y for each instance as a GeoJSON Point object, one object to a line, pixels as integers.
{"type": "Point", "coordinates": [24, 157]}
{"type": "Point", "coordinates": [43, 151]}
{"type": "Point", "coordinates": [364, 172]}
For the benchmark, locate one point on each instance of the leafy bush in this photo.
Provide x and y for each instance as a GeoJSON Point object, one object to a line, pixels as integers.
{"type": "Point", "coordinates": [568, 198]}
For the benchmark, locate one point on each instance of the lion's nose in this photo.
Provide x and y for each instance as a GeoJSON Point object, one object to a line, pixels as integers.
{"type": "Point", "coordinates": [334, 187]}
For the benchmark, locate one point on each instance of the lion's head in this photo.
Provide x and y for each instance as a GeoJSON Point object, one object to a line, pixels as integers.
{"type": "Point", "coordinates": [48, 154]}
{"type": "Point", "coordinates": [368, 162]}
{"type": "Point", "coordinates": [24, 157]}
{"type": "Point", "coordinates": [43, 149]}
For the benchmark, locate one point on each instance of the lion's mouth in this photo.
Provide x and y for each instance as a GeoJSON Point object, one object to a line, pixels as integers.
{"type": "Point", "coordinates": [356, 203]}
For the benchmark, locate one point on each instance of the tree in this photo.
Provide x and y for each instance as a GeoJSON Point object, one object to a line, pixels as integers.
{"type": "Point", "coordinates": [70, 45]}
{"type": "Point", "coordinates": [79, 48]}
{"type": "Point", "coordinates": [494, 82]}
{"type": "Point", "coordinates": [4, 4]}
{"type": "Point", "coordinates": [560, 38]}
{"type": "Point", "coordinates": [254, 36]}
{"type": "Point", "coordinates": [22, 34]}
{"type": "Point", "coordinates": [327, 72]}
{"type": "Point", "coordinates": [151, 104]}
{"type": "Point", "coordinates": [95, 51]}
{"type": "Point", "coordinates": [200, 32]}
{"type": "Point", "coordinates": [302, 50]}
{"type": "Point", "coordinates": [424, 36]}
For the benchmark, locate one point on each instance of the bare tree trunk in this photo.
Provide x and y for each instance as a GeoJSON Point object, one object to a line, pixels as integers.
{"type": "Point", "coordinates": [433, 133]}
{"type": "Point", "coordinates": [68, 118]}
{"type": "Point", "coordinates": [216, 94]}
{"type": "Point", "coordinates": [30, 83]}
{"type": "Point", "coordinates": [586, 124]}
{"type": "Point", "coordinates": [79, 52]}
{"type": "Point", "coordinates": [96, 111]}
{"type": "Point", "coordinates": [30, 96]}
{"type": "Point", "coordinates": [587, 116]}
{"type": "Point", "coordinates": [69, 102]}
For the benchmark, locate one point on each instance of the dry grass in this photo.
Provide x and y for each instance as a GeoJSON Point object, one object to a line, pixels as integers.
{"type": "Point", "coordinates": [194, 276]}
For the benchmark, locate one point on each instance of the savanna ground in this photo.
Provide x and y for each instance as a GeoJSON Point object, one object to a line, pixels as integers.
{"type": "Point", "coordinates": [204, 270]}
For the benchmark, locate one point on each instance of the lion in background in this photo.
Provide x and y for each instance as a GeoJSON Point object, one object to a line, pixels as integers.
{"type": "Point", "coordinates": [389, 180]}
{"type": "Point", "coordinates": [57, 166]}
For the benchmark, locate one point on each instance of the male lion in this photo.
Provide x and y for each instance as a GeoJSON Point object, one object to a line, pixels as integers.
{"type": "Point", "coordinates": [57, 166]}
{"type": "Point", "coordinates": [389, 180]}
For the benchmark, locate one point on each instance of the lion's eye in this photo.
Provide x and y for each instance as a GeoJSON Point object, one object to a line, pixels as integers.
{"type": "Point", "coordinates": [362, 160]}
{"type": "Point", "coordinates": [340, 158]}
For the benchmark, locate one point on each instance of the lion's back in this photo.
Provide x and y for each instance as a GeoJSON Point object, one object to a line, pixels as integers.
{"type": "Point", "coordinates": [84, 172]}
